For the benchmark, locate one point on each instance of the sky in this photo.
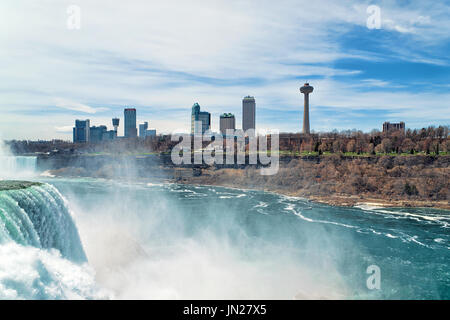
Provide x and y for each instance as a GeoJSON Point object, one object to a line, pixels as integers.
{"type": "Point", "coordinates": [163, 56]}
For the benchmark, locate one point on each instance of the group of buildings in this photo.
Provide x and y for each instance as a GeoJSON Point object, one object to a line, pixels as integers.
{"type": "Point", "coordinates": [201, 120]}
{"type": "Point", "coordinates": [83, 132]}
{"type": "Point", "coordinates": [200, 123]}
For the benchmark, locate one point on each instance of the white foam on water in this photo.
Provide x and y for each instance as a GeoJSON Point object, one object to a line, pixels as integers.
{"type": "Point", "coordinates": [150, 184]}
{"type": "Point", "coordinates": [390, 236]}
{"type": "Point", "coordinates": [290, 207]}
{"type": "Point", "coordinates": [395, 214]}
{"type": "Point", "coordinates": [261, 204]}
{"type": "Point", "coordinates": [367, 206]}
{"type": "Point", "coordinates": [414, 239]}
{"type": "Point", "coordinates": [33, 273]}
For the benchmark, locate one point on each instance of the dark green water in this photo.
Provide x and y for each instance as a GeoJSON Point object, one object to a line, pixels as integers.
{"type": "Point", "coordinates": [228, 243]}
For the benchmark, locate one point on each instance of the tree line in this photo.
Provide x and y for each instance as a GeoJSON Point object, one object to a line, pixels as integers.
{"type": "Point", "coordinates": [426, 140]}
{"type": "Point", "coordinates": [431, 140]}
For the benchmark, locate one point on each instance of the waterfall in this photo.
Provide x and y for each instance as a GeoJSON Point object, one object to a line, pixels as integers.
{"type": "Point", "coordinates": [41, 256]}
{"type": "Point", "coordinates": [13, 167]}
{"type": "Point", "coordinates": [36, 215]}
{"type": "Point", "coordinates": [17, 166]}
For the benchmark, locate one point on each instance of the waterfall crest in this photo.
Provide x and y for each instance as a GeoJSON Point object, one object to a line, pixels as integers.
{"type": "Point", "coordinates": [13, 167]}
{"type": "Point", "coordinates": [38, 216]}
{"type": "Point", "coordinates": [17, 166]}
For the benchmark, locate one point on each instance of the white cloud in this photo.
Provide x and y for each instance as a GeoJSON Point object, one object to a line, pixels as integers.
{"type": "Point", "coordinates": [75, 106]}
{"type": "Point", "coordinates": [155, 53]}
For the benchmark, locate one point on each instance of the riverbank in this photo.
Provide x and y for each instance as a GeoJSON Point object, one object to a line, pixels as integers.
{"type": "Point", "coordinates": [399, 181]}
{"type": "Point", "coordinates": [385, 181]}
{"type": "Point", "coordinates": [332, 200]}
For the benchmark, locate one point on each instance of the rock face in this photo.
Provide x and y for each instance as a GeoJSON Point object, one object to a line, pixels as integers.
{"type": "Point", "coordinates": [398, 181]}
{"type": "Point", "coordinates": [16, 185]}
{"type": "Point", "coordinates": [416, 180]}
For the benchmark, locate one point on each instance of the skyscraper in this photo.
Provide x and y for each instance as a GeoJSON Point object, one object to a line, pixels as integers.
{"type": "Point", "coordinates": [248, 113]}
{"type": "Point", "coordinates": [306, 90]}
{"type": "Point", "coordinates": [227, 122]}
{"type": "Point", "coordinates": [81, 132]}
{"type": "Point", "coordinates": [130, 123]}
{"type": "Point", "coordinates": [143, 130]}
{"type": "Point", "coordinates": [96, 133]}
{"type": "Point", "coordinates": [199, 116]}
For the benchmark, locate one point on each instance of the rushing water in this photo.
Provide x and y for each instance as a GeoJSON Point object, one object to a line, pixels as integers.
{"type": "Point", "coordinates": [13, 167]}
{"type": "Point", "coordinates": [41, 256]}
{"type": "Point", "coordinates": [146, 240]}
{"type": "Point", "coordinates": [38, 216]}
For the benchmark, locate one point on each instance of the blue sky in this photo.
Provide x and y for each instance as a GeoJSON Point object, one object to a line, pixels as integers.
{"type": "Point", "coordinates": [162, 56]}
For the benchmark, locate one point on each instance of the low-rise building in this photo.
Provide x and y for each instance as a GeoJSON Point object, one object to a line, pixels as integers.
{"type": "Point", "coordinates": [387, 126]}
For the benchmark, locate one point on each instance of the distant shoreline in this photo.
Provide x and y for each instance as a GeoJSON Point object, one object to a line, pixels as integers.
{"type": "Point", "coordinates": [335, 200]}
{"type": "Point", "coordinates": [332, 200]}
{"type": "Point", "coordinates": [388, 181]}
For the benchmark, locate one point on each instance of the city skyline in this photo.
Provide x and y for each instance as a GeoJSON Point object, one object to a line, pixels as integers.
{"type": "Point", "coordinates": [83, 132]}
{"type": "Point", "coordinates": [140, 128]}
{"type": "Point", "coordinates": [363, 77]}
